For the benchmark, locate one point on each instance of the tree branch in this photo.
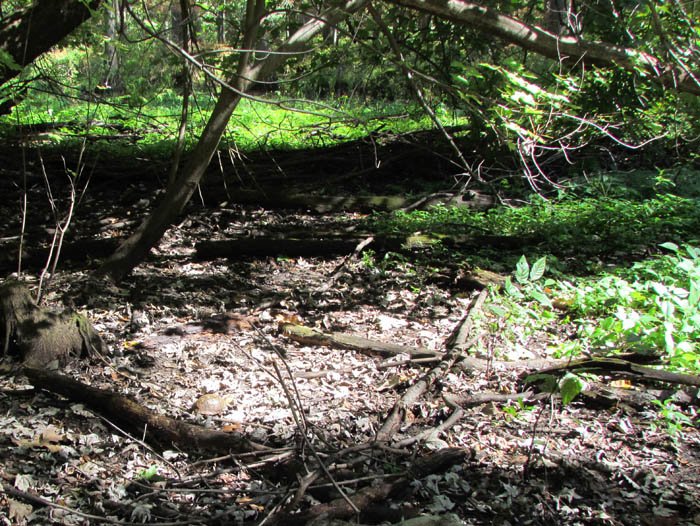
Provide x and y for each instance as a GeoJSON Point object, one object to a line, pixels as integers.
{"type": "Point", "coordinates": [568, 49]}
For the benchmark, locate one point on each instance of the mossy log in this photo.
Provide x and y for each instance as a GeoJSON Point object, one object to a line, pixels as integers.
{"type": "Point", "coordinates": [41, 336]}
{"type": "Point", "coordinates": [340, 340]}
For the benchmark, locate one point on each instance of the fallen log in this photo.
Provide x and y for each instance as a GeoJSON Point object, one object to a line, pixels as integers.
{"type": "Point", "coordinates": [323, 204]}
{"type": "Point", "coordinates": [341, 340]}
{"type": "Point", "coordinates": [620, 368]}
{"type": "Point", "coordinates": [157, 429]}
{"type": "Point", "coordinates": [298, 246]}
{"type": "Point", "coordinates": [76, 252]}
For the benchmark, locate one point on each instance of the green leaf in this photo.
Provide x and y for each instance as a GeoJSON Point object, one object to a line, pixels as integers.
{"type": "Point", "coordinates": [694, 296]}
{"type": "Point", "coordinates": [511, 289]}
{"type": "Point", "coordinates": [692, 251]}
{"type": "Point", "coordinates": [670, 246]}
{"type": "Point", "coordinates": [570, 386]}
{"type": "Point", "coordinates": [522, 270]}
{"type": "Point", "coordinates": [545, 382]}
{"type": "Point", "coordinates": [497, 310]}
{"type": "Point", "coordinates": [538, 268]}
{"type": "Point", "coordinates": [541, 297]}
{"type": "Point", "coordinates": [147, 474]}
{"type": "Point", "coordinates": [7, 61]}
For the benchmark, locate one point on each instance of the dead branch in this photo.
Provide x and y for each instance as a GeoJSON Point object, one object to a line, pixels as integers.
{"type": "Point", "coordinates": [309, 336]}
{"type": "Point", "coordinates": [472, 400]}
{"type": "Point", "coordinates": [617, 367]}
{"type": "Point", "coordinates": [457, 341]}
{"type": "Point", "coordinates": [130, 414]}
{"type": "Point", "coordinates": [413, 393]}
{"type": "Point", "coordinates": [437, 462]}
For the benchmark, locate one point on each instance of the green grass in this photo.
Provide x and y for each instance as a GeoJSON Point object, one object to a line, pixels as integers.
{"type": "Point", "coordinates": [153, 123]}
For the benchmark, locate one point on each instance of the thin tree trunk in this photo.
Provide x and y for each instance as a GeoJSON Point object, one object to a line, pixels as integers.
{"type": "Point", "coordinates": [112, 82]}
{"type": "Point", "coordinates": [149, 233]}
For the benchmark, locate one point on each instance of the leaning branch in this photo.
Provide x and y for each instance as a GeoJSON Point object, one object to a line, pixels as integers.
{"type": "Point", "coordinates": [568, 49]}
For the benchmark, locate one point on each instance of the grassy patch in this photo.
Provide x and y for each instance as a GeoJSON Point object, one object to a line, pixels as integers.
{"type": "Point", "coordinates": [151, 125]}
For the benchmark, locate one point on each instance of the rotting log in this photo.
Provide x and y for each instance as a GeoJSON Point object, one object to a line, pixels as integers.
{"type": "Point", "coordinates": [310, 336]}
{"type": "Point", "coordinates": [41, 336]}
{"type": "Point", "coordinates": [323, 204]}
{"type": "Point", "coordinates": [620, 368]}
{"type": "Point", "coordinates": [480, 279]}
{"type": "Point", "coordinates": [261, 246]}
{"type": "Point", "coordinates": [122, 410]}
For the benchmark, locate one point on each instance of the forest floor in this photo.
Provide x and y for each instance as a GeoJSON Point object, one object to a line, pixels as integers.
{"type": "Point", "coordinates": [178, 328]}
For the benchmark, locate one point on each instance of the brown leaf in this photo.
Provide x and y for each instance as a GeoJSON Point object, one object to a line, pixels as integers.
{"type": "Point", "coordinates": [18, 511]}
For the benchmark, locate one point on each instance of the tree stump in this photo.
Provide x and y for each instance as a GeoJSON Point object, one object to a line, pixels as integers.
{"type": "Point", "coordinates": [41, 336]}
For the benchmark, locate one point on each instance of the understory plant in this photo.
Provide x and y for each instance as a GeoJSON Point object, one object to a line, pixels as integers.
{"type": "Point", "coordinates": [651, 308]}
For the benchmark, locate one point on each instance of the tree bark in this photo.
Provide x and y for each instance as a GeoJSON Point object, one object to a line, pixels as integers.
{"type": "Point", "coordinates": [135, 249]}
{"type": "Point", "coordinates": [29, 32]}
{"type": "Point", "coordinates": [568, 49]}
{"type": "Point", "coordinates": [112, 83]}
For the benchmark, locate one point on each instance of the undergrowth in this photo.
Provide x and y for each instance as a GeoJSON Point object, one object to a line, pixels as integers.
{"type": "Point", "coordinates": [151, 125]}
{"type": "Point", "coordinates": [608, 275]}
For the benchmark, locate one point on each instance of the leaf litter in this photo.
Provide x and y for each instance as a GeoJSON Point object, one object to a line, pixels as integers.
{"type": "Point", "coordinates": [180, 329]}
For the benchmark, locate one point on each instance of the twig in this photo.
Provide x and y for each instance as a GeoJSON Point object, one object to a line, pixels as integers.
{"type": "Point", "coordinates": [385, 364]}
{"type": "Point", "coordinates": [141, 443]}
{"type": "Point", "coordinates": [359, 248]}
{"type": "Point", "coordinates": [418, 92]}
{"type": "Point", "coordinates": [35, 499]}
{"type": "Point", "coordinates": [449, 422]}
{"type": "Point", "coordinates": [312, 476]}
{"type": "Point", "coordinates": [414, 392]}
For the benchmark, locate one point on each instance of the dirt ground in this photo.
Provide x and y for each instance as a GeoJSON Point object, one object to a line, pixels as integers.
{"type": "Point", "coordinates": [521, 463]}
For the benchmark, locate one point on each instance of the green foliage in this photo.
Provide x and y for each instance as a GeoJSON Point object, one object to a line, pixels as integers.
{"type": "Point", "coordinates": [657, 311]}
{"type": "Point", "coordinates": [149, 474]}
{"type": "Point", "coordinates": [575, 230]}
{"type": "Point", "coordinates": [528, 277]}
{"type": "Point", "coordinates": [570, 386]}
{"type": "Point", "coordinates": [673, 417]}
{"type": "Point", "coordinates": [514, 410]}
{"type": "Point", "coordinates": [151, 124]}
{"type": "Point", "coordinates": [7, 62]}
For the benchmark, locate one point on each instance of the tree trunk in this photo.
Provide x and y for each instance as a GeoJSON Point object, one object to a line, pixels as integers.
{"type": "Point", "coordinates": [135, 249]}
{"type": "Point", "coordinates": [29, 32]}
{"type": "Point", "coordinates": [41, 336]}
{"type": "Point", "coordinates": [570, 49]}
{"type": "Point", "coordinates": [112, 83]}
